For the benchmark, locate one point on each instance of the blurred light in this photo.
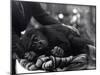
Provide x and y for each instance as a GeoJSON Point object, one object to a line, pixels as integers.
{"type": "Point", "coordinates": [23, 32]}
{"type": "Point", "coordinates": [61, 16]}
{"type": "Point", "coordinates": [75, 10]}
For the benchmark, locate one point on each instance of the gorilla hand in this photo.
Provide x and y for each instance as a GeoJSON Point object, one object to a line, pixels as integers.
{"type": "Point", "coordinates": [57, 51]}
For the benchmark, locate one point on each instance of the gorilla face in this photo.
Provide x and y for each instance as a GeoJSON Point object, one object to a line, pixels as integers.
{"type": "Point", "coordinates": [39, 41]}
{"type": "Point", "coordinates": [33, 39]}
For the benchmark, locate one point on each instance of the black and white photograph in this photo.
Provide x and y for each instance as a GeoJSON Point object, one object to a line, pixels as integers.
{"type": "Point", "coordinates": [52, 37]}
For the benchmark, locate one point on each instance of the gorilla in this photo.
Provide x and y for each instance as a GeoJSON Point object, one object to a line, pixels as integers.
{"type": "Point", "coordinates": [52, 40]}
{"type": "Point", "coordinates": [44, 39]}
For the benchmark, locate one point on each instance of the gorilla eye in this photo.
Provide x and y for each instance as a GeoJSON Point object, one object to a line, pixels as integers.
{"type": "Point", "coordinates": [36, 38]}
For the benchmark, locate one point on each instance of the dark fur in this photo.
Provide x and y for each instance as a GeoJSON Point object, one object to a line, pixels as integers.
{"type": "Point", "coordinates": [57, 35]}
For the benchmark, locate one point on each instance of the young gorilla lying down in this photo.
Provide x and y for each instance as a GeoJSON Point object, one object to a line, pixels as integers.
{"type": "Point", "coordinates": [53, 48]}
